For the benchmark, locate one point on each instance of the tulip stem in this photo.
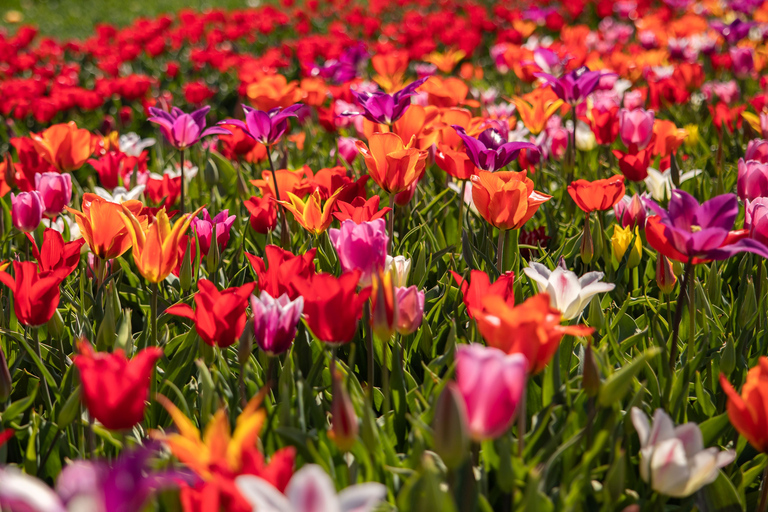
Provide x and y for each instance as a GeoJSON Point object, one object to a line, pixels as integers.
{"type": "Point", "coordinates": [285, 237]}
{"type": "Point", "coordinates": [369, 340]}
{"type": "Point", "coordinates": [460, 227]}
{"type": "Point", "coordinates": [679, 314]}
{"type": "Point", "coordinates": [391, 230]}
{"type": "Point", "coordinates": [153, 314]}
{"type": "Point", "coordinates": [46, 391]}
{"type": "Point", "coordinates": [764, 492]}
{"type": "Point", "coordinates": [521, 420]}
{"type": "Point", "coordinates": [183, 183]}
{"type": "Point", "coordinates": [500, 251]}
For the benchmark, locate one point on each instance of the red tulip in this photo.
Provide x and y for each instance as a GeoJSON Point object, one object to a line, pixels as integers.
{"type": "Point", "coordinates": [283, 267]}
{"type": "Point", "coordinates": [361, 210]}
{"type": "Point", "coordinates": [115, 389]}
{"type": "Point", "coordinates": [634, 165]}
{"type": "Point", "coordinates": [598, 195]}
{"type": "Point", "coordinates": [219, 316]}
{"type": "Point", "coordinates": [35, 295]}
{"type": "Point", "coordinates": [479, 286]}
{"type": "Point", "coordinates": [263, 214]}
{"type": "Point", "coordinates": [56, 254]}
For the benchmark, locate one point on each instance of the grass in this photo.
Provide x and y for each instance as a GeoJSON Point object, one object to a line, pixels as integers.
{"type": "Point", "coordinates": [75, 19]}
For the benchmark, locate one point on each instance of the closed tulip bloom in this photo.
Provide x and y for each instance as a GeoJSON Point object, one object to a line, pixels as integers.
{"type": "Point", "coordinates": [263, 212]}
{"type": "Point", "coordinates": [275, 321]}
{"type": "Point", "coordinates": [361, 247]}
{"type": "Point", "coordinates": [55, 190]}
{"type": "Point", "coordinates": [410, 309]}
{"type": "Point", "coordinates": [182, 130]}
{"type": "Point", "coordinates": [115, 389]}
{"type": "Point", "coordinates": [344, 422]}
{"type": "Point", "coordinates": [27, 210]}
{"type": "Point", "coordinates": [568, 292]}
{"type": "Point", "coordinates": [673, 459]}
{"type": "Point", "coordinates": [400, 267]}
{"type": "Point", "coordinates": [747, 410]}
{"type": "Point", "coordinates": [361, 210]}
{"type": "Point", "coordinates": [65, 146]}
{"type": "Point", "coordinates": [620, 244]}
{"type": "Point", "coordinates": [203, 228]}
{"type": "Point", "coordinates": [265, 127]}
{"type": "Point", "coordinates": [636, 127]}
{"type": "Point", "coordinates": [490, 151]}
{"type": "Point", "coordinates": [451, 432]}
{"type": "Point", "coordinates": [631, 212]}
{"type": "Point", "coordinates": [743, 61]}
{"type": "Point", "coordinates": [506, 199]}
{"type": "Point", "coordinates": [383, 305]}
{"type": "Point", "coordinates": [757, 149]}
{"type": "Point", "coordinates": [598, 195]}
{"type": "Point", "coordinates": [219, 316]}
{"type": "Point", "coordinates": [492, 384]}
{"type": "Point", "coordinates": [665, 275]}
{"type": "Point", "coordinates": [479, 286]}
{"type": "Point", "coordinates": [101, 224]}
{"type": "Point", "coordinates": [752, 179]}
{"type": "Point", "coordinates": [756, 219]}
{"type": "Point", "coordinates": [392, 164]}
{"type": "Point", "coordinates": [35, 294]}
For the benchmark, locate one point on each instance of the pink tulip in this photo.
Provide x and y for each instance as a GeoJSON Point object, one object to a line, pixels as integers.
{"type": "Point", "coordinates": [636, 127]}
{"type": "Point", "coordinates": [56, 191]}
{"type": "Point", "coordinates": [743, 61]}
{"type": "Point", "coordinates": [361, 247]}
{"type": "Point", "coordinates": [204, 229]}
{"type": "Point", "coordinates": [275, 321]}
{"type": "Point", "coordinates": [347, 149]}
{"type": "Point", "coordinates": [753, 179]}
{"type": "Point", "coordinates": [631, 212]}
{"type": "Point", "coordinates": [757, 149]}
{"type": "Point", "coordinates": [410, 309]}
{"type": "Point", "coordinates": [27, 210]}
{"type": "Point", "coordinates": [756, 219]}
{"type": "Point", "coordinates": [633, 100]}
{"type": "Point", "coordinates": [492, 384]}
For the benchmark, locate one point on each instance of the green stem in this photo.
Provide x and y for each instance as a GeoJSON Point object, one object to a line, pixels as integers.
{"type": "Point", "coordinates": [460, 227]}
{"type": "Point", "coordinates": [763, 507]}
{"type": "Point", "coordinates": [500, 251]}
{"type": "Point", "coordinates": [183, 183]}
{"type": "Point", "coordinates": [391, 230]}
{"type": "Point", "coordinates": [153, 313]}
{"type": "Point", "coordinates": [46, 391]}
{"type": "Point", "coordinates": [679, 314]}
{"type": "Point", "coordinates": [285, 237]}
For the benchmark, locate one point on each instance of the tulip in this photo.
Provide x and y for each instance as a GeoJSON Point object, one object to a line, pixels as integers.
{"type": "Point", "coordinates": [535, 108]}
{"type": "Point", "coordinates": [115, 389]}
{"type": "Point", "coordinates": [665, 275]}
{"type": "Point", "coordinates": [634, 166]}
{"type": "Point", "coordinates": [630, 212]}
{"type": "Point", "coordinates": [633, 100]}
{"type": "Point", "coordinates": [204, 228]}
{"type": "Point", "coordinates": [568, 293]}
{"type": "Point", "coordinates": [361, 210]}
{"type": "Point", "coordinates": [673, 459]}
{"type": "Point", "coordinates": [490, 152]}
{"type": "Point", "coordinates": [532, 328]}
{"type": "Point", "coordinates": [687, 231]}
{"type": "Point", "coordinates": [506, 199]}
{"type": "Point", "coordinates": [284, 267]}
{"type": "Point", "coordinates": [155, 246]}
{"type": "Point", "coordinates": [584, 138]}
{"type": "Point", "coordinates": [400, 267]}
{"type": "Point", "coordinates": [598, 195]}
{"type": "Point", "coordinates": [27, 210]}
{"type": "Point", "coordinates": [757, 149]}
{"type": "Point", "coordinates": [219, 316]}
{"type": "Point", "coordinates": [747, 411]}
{"type": "Point", "coordinates": [263, 217]}
{"type": "Point", "coordinates": [479, 287]}
{"type": "Point", "coordinates": [492, 384]}
{"type": "Point", "coordinates": [451, 432]}
{"type": "Point", "coordinates": [604, 124]}
{"type": "Point", "coordinates": [573, 87]}
{"type": "Point", "coordinates": [120, 194]}
{"type": "Point", "coordinates": [310, 490]}
{"type": "Point", "coordinates": [274, 321]}
{"type": "Point", "coordinates": [266, 128]}
{"type": "Point", "coordinates": [109, 168]}
{"type": "Point", "coordinates": [347, 149]}
{"type": "Point", "coordinates": [752, 179]}
{"type": "Point", "coordinates": [361, 247]}
{"type": "Point", "coordinates": [756, 219]}
{"type": "Point", "coordinates": [383, 305]}
{"type": "Point", "coordinates": [35, 294]}
{"type": "Point", "coordinates": [383, 108]}
{"type": "Point", "coordinates": [55, 190]}
{"type": "Point", "coordinates": [620, 241]}
{"type": "Point", "coordinates": [332, 307]}
{"type": "Point", "coordinates": [312, 214]}
{"type": "Point", "coordinates": [55, 254]}
{"type": "Point", "coordinates": [183, 130]}
{"type": "Point", "coordinates": [64, 146]}
{"type": "Point", "coordinates": [101, 224]}
{"type": "Point", "coordinates": [132, 145]}
{"type": "Point", "coordinates": [393, 165]}
{"type": "Point", "coordinates": [636, 127]}
{"type": "Point", "coordinates": [344, 425]}
{"type": "Point", "coordinates": [743, 61]}
{"type": "Point", "coordinates": [410, 309]}
{"type": "Point", "coordinates": [668, 137]}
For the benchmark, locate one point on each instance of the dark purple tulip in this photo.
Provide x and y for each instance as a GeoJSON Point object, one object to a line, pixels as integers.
{"type": "Point", "coordinates": [383, 108]}
{"type": "Point", "coordinates": [490, 151]}
{"type": "Point", "coordinates": [345, 68]}
{"type": "Point", "coordinates": [745, 6]}
{"type": "Point", "coordinates": [182, 130]}
{"type": "Point", "coordinates": [734, 32]}
{"type": "Point", "coordinates": [703, 231]}
{"type": "Point", "coordinates": [574, 86]}
{"type": "Point", "coordinates": [266, 127]}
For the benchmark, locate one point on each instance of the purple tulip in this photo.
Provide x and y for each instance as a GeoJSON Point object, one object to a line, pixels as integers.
{"type": "Point", "coordinates": [636, 127]}
{"type": "Point", "coordinates": [548, 61]}
{"type": "Point", "coordinates": [734, 32]}
{"type": "Point", "coordinates": [703, 231]}
{"type": "Point", "coordinates": [383, 108]}
{"type": "Point", "coordinates": [573, 87]}
{"type": "Point", "coordinates": [346, 68]}
{"type": "Point", "coordinates": [56, 191]}
{"type": "Point", "coordinates": [631, 212]}
{"type": "Point", "coordinates": [182, 130]}
{"type": "Point", "coordinates": [266, 127]}
{"type": "Point", "coordinates": [753, 179]}
{"type": "Point", "coordinates": [490, 151]}
{"type": "Point", "coordinates": [743, 61]}
{"type": "Point", "coordinates": [203, 228]}
{"type": "Point", "coordinates": [757, 149]}
{"type": "Point", "coordinates": [27, 210]}
{"type": "Point", "coordinates": [361, 247]}
{"type": "Point", "coordinates": [410, 309]}
{"type": "Point", "coordinates": [756, 219]}
{"type": "Point", "coordinates": [274, 321]}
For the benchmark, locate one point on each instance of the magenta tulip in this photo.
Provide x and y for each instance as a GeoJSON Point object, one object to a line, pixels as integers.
{"type": "Point", "coordinates": [203, 228]}
{"type": "Point", "coordinates": [757, 149]}
{"type": "Point", "coordinates": [361, 247]}
{"type": "Point", "coordinates": [410, 309]}
{"type": "Point", "coordinates": [636, 127]}
{"type": "Point", "coordinates": [743, 61]}
{"type": "Point", "coordinates": [631, 212]}
{"type": "Point", "coordinates": [182, 130]}
{"type": "Point", "coordinates": [55, 190]}
{"type": "Point", "coordinates": [492, 384]}
{"type": "Point", "coordinates": [633, 100]}
{"type": "Point", "coordinates": [347, 149]}
{"type": "Point", "coordinates": [756, 219]}
{"type": "Point", "coordinates": [753, 179]}
{"type": "Point", "coordinates": [275, 321]}
{"type": "Point", "coordinates": [27, 210]}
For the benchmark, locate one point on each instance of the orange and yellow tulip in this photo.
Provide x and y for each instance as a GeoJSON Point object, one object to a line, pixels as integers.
{"type": "Point", "coordinates": [65, 146]}
{"type": "Point", "coordinates": [102, 226]}
{"type": "Point", "coordinates": [506, 199]}
{"type": "Point", "coordinates": [312, 214]}
{"type": "Point", "coordinates": [155, 246]}
{"type": "Point", "coordinates": [747, 411]}
{"type": "Point", "coordinates": [535, 108]}
{"type": "Point", "coordinates": [394, 166]}
{"type": "Point", "coordinates": [667, 137]}
{"type": "Point", "coordinates": [445, 62]}
{"type": "Point", "coordinates": [448, 92]}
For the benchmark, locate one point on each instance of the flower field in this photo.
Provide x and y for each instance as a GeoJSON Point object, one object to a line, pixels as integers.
{"type": "Point", "coordinates": [455, 256]}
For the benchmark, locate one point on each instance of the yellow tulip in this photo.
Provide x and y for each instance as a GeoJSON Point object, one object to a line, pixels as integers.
{"type": "Point", "coordinates": [620, 241]}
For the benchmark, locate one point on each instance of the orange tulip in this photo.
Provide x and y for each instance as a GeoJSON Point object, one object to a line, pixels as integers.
{"type": "Point", "coordinates": [454, 162]}
{"type": "Point", "coordinates": [272, 91]}
{"type": "Point", "coordinates": [506, 199]}
{"type": "Point", "coordinates": [747, 412]}
{"type": "Point", "coordinates": [667, 137]}
{"type": "Point", "coordinates": [156, 246]}
{"type": "Point", "coordinates": [460, 117]}
{"type": "Point", "coordinates": [65, 146]}
{"type": "Point", "coordinates": [102, 226]}
{"type": "Point", "coordinates": [287, 181]}
{"type": "Point", "coordinates": [391, 69]}
{"type": "Point", "coordinates": [532, 328]}
{"type": "Point", "coordinates": [394, 166]}
{"type": "Point", "coordinates": [312, 214]}
{"type": "Point", "coordinates": [445, 62]}
{"type": "Point", "coordinates": [418, 122]}
{"type": "Point", "coordinates": [448, 92]}
{"type": "Point", "coordinates": [598, 195]}
{"type": "Point", "coordinates": [536, 108]}
{"type": "Point", "coordinates": [6, 171]}
{"type": "Point", "coordinates": [314, 91]}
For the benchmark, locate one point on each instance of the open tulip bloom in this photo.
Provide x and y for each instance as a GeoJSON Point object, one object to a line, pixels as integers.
{"type": "Point", "coordinates": [490, 151]}
{"type": "Point", "coordinates": [265, 127]}
{"type": "Point", "coordinates": [383, 108]}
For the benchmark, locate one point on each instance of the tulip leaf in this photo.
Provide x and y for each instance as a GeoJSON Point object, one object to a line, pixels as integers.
{"type": "Point", "coordinates": [17, 408]}
{"type": "Point", "coordinates": [618, 384]}
{"type": "Point", "coordinates": [722, 496]}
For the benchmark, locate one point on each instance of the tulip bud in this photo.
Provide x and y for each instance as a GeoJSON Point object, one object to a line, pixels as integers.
{"type": "Point", "coordinates": [728, 357]}
{"type": "Point", "coordinates": [665, 276]}
{"type": "Point", "coordinates": [400, 266]}
{"type": "Point", "coordinates": [27, 210]}
{"type": "Point", "coordinates": [410, 309]}
{"type": "Point", "coordinates": [55, 190]}
{"type": "Point", "coordinates": [6, 384]}
{"type": "Point", "coordinates": [383, 306]}
{"type": "Point", "coordinates": [451, 436]}
{"type": "Point", "coordinates": [587, 246]}
{"type": "Point", "coordinates": [692, 140]}
{"type": "Point", "coordinates": [590, 378]}
{"type": "Point", "coordinates": [211, 173]}
{"type": "Point", "coordinates": [596, 318]}
{"type": "Point", "coordinates": [212, 261]}
{"type": "Point", "coordinates": [185, 272]}
{"type": "Point", "coordinates": [275, 321]}
{"type": "Point", "coordinates": [344, 426]}
{"type": "Point", "coordinates": [620, 243]}
{"type": "Point", "coordinates": [585, 138]}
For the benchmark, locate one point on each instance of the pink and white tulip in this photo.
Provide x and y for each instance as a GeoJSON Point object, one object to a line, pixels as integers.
{"type": "Point", "coordinates": [275, 321]}
{"type": "Point", "coordinates": [361, 247]}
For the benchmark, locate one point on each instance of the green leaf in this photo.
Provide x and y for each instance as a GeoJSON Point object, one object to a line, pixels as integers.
{"type": "Point", "coordinates": [721, 496]}
{"type": "Point", "coordinates": [619, 383]}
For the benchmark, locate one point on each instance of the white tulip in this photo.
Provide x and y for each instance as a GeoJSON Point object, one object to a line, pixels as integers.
{"type": "Point", "coordinates": [400, 267]}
